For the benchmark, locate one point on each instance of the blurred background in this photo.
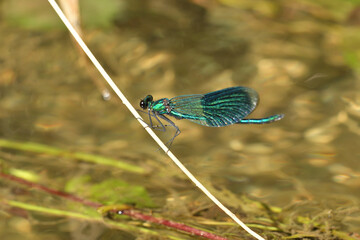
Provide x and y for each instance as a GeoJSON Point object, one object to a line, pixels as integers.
{"type": "Point", "coordinates": [301, 56]}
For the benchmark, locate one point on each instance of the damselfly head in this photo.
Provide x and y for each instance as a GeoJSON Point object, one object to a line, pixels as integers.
{"type": "Point", "coordinates": [144, 103]}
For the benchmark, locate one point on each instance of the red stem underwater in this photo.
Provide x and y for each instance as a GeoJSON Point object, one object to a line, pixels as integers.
{"type": "Point", "coordinates": [51, 191]}
{"type": "Point", "coordinates": [128, 212]}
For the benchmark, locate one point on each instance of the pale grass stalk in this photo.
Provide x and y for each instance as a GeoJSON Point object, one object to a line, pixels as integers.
{"type": "Point", "coordinates": [142, 122]}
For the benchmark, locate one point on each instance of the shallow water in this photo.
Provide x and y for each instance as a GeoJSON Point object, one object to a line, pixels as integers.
{"type": "Point", "coordinates": [298, 62]}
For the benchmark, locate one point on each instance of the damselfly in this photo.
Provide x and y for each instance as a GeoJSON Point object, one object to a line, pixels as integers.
{"type": "Point", "coordinates": [215, 109]}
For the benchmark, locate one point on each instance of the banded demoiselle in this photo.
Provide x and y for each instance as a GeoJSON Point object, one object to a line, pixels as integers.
{"type": "Point", "coordinates": [215, 109]}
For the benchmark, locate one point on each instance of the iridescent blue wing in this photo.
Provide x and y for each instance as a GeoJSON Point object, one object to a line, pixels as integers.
{"type": "Point", "coordinates": [216, 109]}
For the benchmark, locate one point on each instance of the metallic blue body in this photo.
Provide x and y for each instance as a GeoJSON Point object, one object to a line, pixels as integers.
{"type": "Point", "coordinates": [215, 109]}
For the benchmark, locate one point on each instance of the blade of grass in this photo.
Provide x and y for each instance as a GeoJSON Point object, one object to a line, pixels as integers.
{"type": "Point", "coordinates": [44, 149]}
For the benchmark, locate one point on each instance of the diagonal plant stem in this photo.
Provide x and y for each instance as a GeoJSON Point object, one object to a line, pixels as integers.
{"type": "Point", "coordinates": [168, 223]}
{"type": "Point", "coordinates": [142, 122]}
{"type": "Point", "coordinates": [122, 209]}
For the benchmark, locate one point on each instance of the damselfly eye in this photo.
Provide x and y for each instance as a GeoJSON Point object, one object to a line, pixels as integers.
{"type": "Point", "coordinates": [143, 105]}
{"type": "Point", "coordinates": [145, 102]}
